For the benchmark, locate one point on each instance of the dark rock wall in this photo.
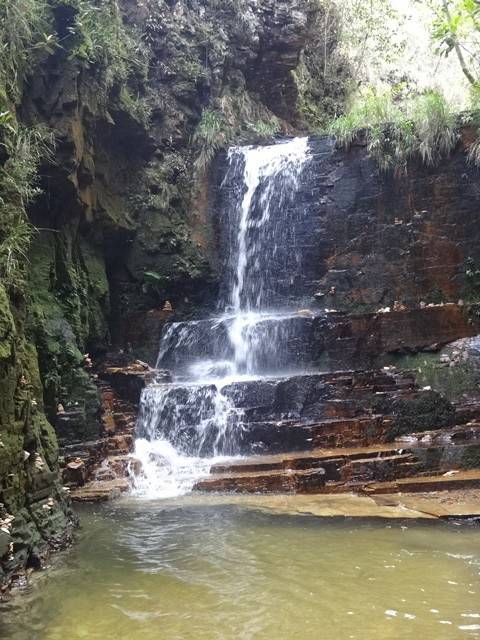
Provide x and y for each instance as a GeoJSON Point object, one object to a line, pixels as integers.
{"type": "Point", "coordinates": [409, 238]}
{"type": "Point", "coordinates": [121, 222]}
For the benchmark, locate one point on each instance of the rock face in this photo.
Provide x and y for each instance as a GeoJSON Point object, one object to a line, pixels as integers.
{"type": "Point", "coordinates": [122, 238]}
{"type": "Point", "coordinates": [35, 517]}
{"type": "Point", "coordinates": [384, 239]}
{"type": "Point", "coordinates": [376, 239]}
{"type": "Point", "coordinates": [127, 224]}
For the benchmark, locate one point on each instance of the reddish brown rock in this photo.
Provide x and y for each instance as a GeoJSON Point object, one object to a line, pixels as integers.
{"type": "Point", "coordinates": [75, 473]}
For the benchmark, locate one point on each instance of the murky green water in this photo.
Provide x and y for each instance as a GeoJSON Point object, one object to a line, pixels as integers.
{"type": "Point", "coordinates": [146, 571]}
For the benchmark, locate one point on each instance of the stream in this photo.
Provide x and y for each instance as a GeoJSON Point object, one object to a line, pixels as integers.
{"type": "Point", "coordinates": [196, 568]}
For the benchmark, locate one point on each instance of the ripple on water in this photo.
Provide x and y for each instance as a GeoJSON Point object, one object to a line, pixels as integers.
{"type": "Point", "coordinates": [226, 572]}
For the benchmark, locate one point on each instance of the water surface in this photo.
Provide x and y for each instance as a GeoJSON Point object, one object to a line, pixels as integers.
{"type": "Point", "coordinates": [144, 571]}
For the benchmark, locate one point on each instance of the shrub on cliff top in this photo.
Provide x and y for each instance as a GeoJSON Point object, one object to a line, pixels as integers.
{"type": "Point", "coordinates": [101, 38]}
{"type": "Point", "coordinates": [398, 130]}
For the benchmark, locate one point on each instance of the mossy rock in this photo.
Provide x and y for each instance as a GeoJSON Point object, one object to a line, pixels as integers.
{"type": "Point", "coordinates": [429, 411]}
{"type": "Point", "coordinates": [7, 326]}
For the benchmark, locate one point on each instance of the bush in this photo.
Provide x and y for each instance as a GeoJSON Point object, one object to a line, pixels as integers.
{"type": "Point", "coordinates": [103, 40]}
{"type": "Point", "coordinates": [396, 131]}
{"type": "Point", "coordinates": [212, 134]}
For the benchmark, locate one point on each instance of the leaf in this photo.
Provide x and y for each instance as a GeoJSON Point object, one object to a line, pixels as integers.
{"type": "Point", "coordinates": [153, 275]}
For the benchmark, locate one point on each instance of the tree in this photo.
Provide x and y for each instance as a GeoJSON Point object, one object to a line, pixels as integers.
{"type": "Point", "coordinates": [456, 28]}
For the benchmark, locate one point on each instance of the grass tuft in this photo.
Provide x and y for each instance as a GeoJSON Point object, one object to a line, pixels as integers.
{"type": "Point", "coordinates": [396, 131]}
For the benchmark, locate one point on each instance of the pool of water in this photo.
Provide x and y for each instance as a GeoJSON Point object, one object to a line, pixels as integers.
{"type": "Point", "coordinates": [181, 570]}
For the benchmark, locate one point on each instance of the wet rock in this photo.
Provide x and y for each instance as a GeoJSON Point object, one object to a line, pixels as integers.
{"type": "Point", "coordinates": [101, 491]}
{"type": "Point", "coordinates": [5, 542]}
{"type": "Point", "coordinates": [129, 381]}
{"type": "Point", "coordinates": [75, 473]}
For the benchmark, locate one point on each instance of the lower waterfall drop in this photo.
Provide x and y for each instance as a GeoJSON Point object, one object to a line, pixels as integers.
{"type": "Point", "coordinates": [185, 426]}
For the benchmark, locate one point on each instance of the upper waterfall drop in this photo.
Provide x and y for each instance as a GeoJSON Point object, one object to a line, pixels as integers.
{"type": "Point", "coordinates": [270, 177]}
{"type": "Point", "coordinates": [183, 425]}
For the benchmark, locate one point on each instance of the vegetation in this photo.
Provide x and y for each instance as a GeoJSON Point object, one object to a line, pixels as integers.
{"type": "Point", "coordinates": [101, 39]}
{"type": "Point", "coordinates": [97, 38]}
{"type": "Point", "coordinates": [26, 149]}
{"type": "Point", "coordinates": [397, 130]}
{"type": "Point", "coordinates": [456, 29]}
{"type": "Point", "coordinates": [237, 119]}
{"type": "Point", "coordinates": [24, 38]}
{"type": "Point", "coordinates": [213, 133]}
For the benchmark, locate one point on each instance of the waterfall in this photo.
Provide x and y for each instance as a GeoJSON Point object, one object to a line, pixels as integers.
{"type": "Point", "coordinates": [185, 425]}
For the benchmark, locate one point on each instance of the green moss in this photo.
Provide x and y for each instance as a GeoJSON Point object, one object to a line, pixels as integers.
{"type": "Point", "coordinates": [455, 382]}
{"type": "Point", "coordinates": [69, 305]}
{"type": "Point", "coordinates": [428, 411]}
{"type": "Point", "coordinates": [7, 326]}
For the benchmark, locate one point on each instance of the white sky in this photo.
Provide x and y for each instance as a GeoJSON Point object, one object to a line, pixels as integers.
{"type": "Point", "coordinates": [429, 70]}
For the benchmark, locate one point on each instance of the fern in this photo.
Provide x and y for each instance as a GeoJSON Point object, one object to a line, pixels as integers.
{"type": "Point", "coordinates": [212, 134]}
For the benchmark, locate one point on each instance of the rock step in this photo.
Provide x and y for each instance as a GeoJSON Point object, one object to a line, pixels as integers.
{"type": "Point", "coordinates": [100, 491]}
{"type": "Point", "coordinates": [279, 481]}
{"type": "Point", "coordinates": [301, 460]}
{"type": "Point", "coordinates": [458, 480]}
{"type": "Point", "coordinates": [304, 480]}
{"type": "Point", "coordinates": [313, 481]}
{"type": "Point", "coordinates": [345, 469]}
{"type": "Point", "coordinates": [294, 435]}
{"type": "Point", "coordinates": [383, 468]}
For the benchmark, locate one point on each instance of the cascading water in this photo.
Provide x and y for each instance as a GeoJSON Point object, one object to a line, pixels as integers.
{"type": "Point", "coordinates": [184, 425]}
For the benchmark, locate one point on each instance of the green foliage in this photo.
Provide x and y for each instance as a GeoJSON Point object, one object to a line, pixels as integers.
{"type": "Point", "coordinates": [212, 134]}
{"type": "Point", "coordinates": [472, 280]}
{"type": "Point", "coordinates": [471, 290]}
{"type": "Point", "coordinates": [103, 40]}
{"type": "Point", "coordinates": [24, 37]}
{"type": "Point", "coordinates": [137, 106]}
{"type": "Point", "coordinates": [456, 28]}
{"type": "Point", "coordinates": [396, 131]}
{"type": "Point", "coordinates": [190, 69]}
{"type": "Point", "coordinates": [473, 153]}
{"type": "Point", "coordinates": [264, 130]}
{"type": "Point", "coordinates": [26, 148]}
{"type": "Point", "coordinates": [435, 127]}
{"type": "Point", "coordinates": [154, 282]}
{"type": "Point", "coordinates": [237, 119]}
{"type": "Point", "coordinates": [364, 31]}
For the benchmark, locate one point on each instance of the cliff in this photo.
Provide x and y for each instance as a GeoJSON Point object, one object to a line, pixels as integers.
{"type": "Point", "coordinates": [110, 115]}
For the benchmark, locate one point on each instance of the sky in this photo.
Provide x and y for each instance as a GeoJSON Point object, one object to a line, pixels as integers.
{"type": "Point", "coordinates": [419, 60]}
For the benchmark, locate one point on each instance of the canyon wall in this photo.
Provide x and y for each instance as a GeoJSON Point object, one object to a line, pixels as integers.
{"type": "Point", "coordinates": [391, 260]}
{"type": "Point", "coordinates": [128, 100]}
{"type": "Point", "coordinates": [139, 100]}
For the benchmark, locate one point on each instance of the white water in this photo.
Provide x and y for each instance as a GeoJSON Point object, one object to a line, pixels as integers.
{"type": "Point", "coordinates": [186, 426]}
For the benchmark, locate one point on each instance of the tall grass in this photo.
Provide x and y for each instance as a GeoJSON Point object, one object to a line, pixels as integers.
{"type": "Point", "coordinates": [104, 41]}
{"type": "Point", "coordinates": [24, 35]}
{"type": "Point", "coordinates": [26, 149]}
{"type": "Point", "coordinates": [396, 131]}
